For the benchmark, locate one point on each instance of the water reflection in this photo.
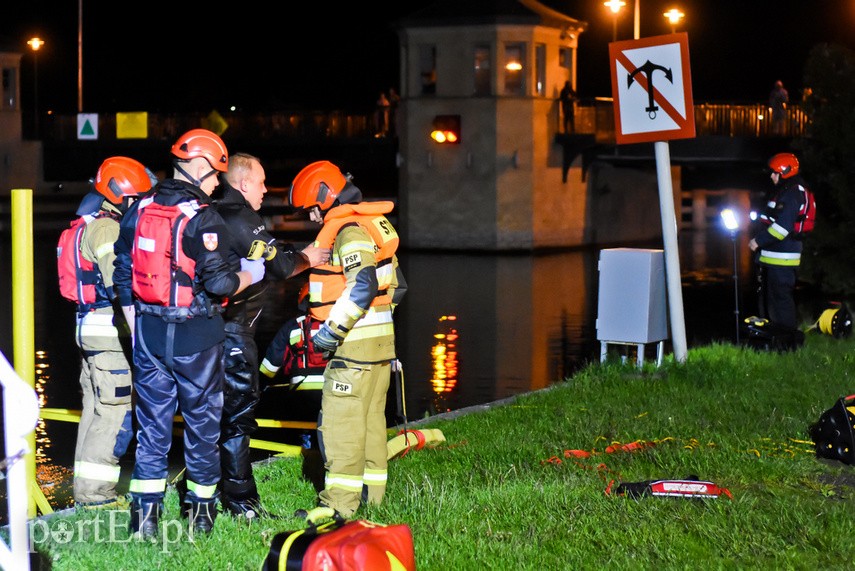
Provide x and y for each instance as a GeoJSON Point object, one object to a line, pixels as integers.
{"type": "Point", "coordinates": [520, 322]}
{"type": "Point", "coordinates": [54, 476]}
{"type": "Point", "coordinates": [444, 354]}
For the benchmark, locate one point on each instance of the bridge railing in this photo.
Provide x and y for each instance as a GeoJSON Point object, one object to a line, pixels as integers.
{"type": "Point", "coordinates": [592, 117]}
{"type": "Point", "coordinates": [721, 119]}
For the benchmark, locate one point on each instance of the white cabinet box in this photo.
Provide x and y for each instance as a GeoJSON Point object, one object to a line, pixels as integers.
{"type": "Point", "coordinates": [632, 302]}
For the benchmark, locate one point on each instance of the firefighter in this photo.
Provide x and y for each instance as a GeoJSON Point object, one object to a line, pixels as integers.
{"type": "Point", "coordinates": [354, 296]}
{"type": "Point", "coordinates": [173, 276]}
{"type": "Point", "coordinates": [292, 355]}
{"type": "Point", "coordinates": [85, 269]}
{"type": "Point", "coordinates": [240, 196]}
{"type": "Point", "coordinates": [292, 352]}
{"type": "Point", "coordinates": [777, 244]}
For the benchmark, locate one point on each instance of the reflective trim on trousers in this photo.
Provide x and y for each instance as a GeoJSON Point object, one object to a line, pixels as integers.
{"type": "Point", "coordinates": [343, 482]}
{"type": "Point", "coordinates": [202, 492]}
{"type": "Point", "coordinates": [100, 472]}
{"type": "Point", "coordinates": [148, 486]}
{"type": "Point", "coordinates": [374, 477]}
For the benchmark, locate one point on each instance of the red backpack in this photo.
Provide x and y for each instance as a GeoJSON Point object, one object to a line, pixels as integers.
{"type": "Point", "coordinates": [163, 274]}
{"type": "Point", "coordinates": [80, 280]}
{"type": "Point", "coordinates": [807, 213]}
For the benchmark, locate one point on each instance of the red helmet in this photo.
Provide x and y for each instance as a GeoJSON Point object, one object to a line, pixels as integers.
{"type": "Point", "coordinates": [786, 164]}
{"type": "Point", "coordinates": [318, 184]}
{"type": "Point", "coordinates": [202, 143]}
{"type": "Point", "coordinates": [119, 177]}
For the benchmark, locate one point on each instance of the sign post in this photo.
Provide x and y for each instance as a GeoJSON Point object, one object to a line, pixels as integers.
{"type": "Point", "coordinates": [652, 92]}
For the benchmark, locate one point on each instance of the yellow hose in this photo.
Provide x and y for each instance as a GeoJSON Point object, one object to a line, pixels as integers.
{"type": "Point", "coordinates": [826, 319]}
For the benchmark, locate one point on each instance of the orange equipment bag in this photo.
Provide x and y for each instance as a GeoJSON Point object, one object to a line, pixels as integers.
{"type": "Point", "coordinates": [343, 546]}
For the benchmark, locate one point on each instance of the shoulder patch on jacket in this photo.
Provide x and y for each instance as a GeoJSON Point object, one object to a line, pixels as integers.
{"type": "Point", "coordinates": [210, 240]}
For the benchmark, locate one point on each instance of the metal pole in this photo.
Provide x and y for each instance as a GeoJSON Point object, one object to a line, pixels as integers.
{"type": "Point", "coordinates": [672, 253]}
{"type": "Point", "coordinates": [637, 22]}
{"type": "Point", "coordinates": [80, 56]}
{"type": "Point", "coordinates": [735, 284]}
{"type": "Point", "coordinates": [36, 92]}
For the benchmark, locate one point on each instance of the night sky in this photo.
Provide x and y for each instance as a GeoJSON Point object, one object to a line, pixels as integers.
{"type": "Point", "coordinates": [184, 56]}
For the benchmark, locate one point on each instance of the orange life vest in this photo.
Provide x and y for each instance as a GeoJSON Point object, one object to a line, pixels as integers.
{"type": "Point", "coordinates": [327, 281]}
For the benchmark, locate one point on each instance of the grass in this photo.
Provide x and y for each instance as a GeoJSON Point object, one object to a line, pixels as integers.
{"type": "Point", "coordinates": [501, 493]}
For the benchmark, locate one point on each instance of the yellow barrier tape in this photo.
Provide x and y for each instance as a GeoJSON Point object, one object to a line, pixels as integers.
{"type": "Point", "coordinates": [41, 501]}
{"type": "Point", "coordinates": [66, 414]}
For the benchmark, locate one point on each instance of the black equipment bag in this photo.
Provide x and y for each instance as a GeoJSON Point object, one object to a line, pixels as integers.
{"type": "Point", "coordinates": [764, 335]}
{"type": "Point", "coordinates": [834, 434]}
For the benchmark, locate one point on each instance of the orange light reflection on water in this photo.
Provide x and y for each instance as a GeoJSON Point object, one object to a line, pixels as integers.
{"type": "Point", "coordinates": [444, 355]}
{"type": "Point", "coordinates": [53, 479]}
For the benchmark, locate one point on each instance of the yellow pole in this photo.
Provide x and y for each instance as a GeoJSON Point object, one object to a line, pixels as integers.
{"type": "Point", "coordinates": [23, 353]}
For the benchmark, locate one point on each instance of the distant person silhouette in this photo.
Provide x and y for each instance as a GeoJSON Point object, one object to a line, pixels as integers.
{"type": "Point", "coordinates": [568, 99]}
{"type": "Point", "coordinates": [381, 116]}
{"type": "Point", "coordinates": [778, 99]}
{"type": "Point", "coordinates": [394, 100]}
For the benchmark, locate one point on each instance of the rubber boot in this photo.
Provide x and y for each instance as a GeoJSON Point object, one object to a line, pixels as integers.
{"type": "Point", "coordinates": [144, 518]}
{"type": "Point", "coordinates": [240, 499]}
{"type": "Point", "coordinates": [200, 514]}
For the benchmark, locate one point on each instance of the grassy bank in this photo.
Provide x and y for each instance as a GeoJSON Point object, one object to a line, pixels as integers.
{"type": "Point", "coordinates": [505, 492]}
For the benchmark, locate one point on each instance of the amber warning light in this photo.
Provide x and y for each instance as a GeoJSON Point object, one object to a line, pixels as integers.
{"type": "Point", "coordinates": [446, 129]}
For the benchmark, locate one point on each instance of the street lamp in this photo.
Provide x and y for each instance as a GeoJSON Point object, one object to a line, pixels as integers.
{"type": "Point", "coordinates": [36, 43]}
{"type": "Point", "coordinates": [728, 217]}
{"type": "Point", "coordinates": [674, 16]}
{"type": "Point", "coordinates": [614, 6]}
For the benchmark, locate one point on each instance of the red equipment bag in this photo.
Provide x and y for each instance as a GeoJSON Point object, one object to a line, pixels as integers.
{"type": "Point", "coordinates": [691, 487]}
{"type": "Point", "coordinates": [343, 546]}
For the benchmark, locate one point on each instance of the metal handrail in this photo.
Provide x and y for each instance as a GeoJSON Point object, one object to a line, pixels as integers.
{"type": "Point", "coordinates": [592, 117]}
{"type": "Point", "coordinates": [20, 415]}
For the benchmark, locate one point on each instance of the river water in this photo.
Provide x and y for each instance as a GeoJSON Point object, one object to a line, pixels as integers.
{"type": "Point", "coordinates": [472, 329]}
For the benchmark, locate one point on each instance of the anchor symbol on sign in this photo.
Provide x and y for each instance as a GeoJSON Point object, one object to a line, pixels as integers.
{"type": "Point", "coordinates": [647, 69]}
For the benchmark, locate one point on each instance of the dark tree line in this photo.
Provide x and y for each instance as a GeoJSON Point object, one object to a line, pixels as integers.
{"type": "Point", "coordinates": [827, 154]}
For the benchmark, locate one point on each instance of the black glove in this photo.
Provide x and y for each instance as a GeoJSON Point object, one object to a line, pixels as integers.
{"type": "Point", "coordinates": [326, 342]}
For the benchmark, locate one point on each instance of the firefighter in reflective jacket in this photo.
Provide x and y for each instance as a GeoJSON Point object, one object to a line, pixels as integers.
{"type": "Point", "coordinates": [85, 269]}
{"type": "Point", "coordinates": [172, 274]}
{"type": "Point", "coordinates": [354, 296]}
{"type": "Point", "coordinates": [777, 244]}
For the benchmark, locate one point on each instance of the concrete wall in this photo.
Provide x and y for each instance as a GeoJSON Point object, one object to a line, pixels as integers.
{"type": "Point", "coordinates": [20, 161]}
{"type": "Point", "coordinates": [501, 188]}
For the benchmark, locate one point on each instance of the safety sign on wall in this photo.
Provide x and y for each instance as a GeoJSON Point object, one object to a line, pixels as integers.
{"type": "Point", "coordinates": [87, 126]}
{"type": "Point", "coordinates": [652, 89]}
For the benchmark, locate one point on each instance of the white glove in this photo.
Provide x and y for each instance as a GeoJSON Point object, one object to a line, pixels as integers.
{"type": "Point", "coordinates": [254, 267]}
